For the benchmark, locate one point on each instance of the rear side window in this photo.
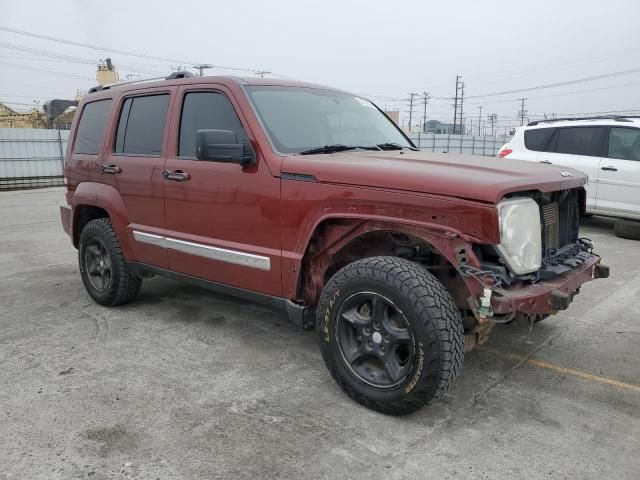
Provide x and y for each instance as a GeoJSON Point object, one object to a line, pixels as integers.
{"type": "Point", "coordinates": [537, 138]}
{"type": "Point", "coordinates": [580, 141]}
{"type": "Point", "coordinates": [624, 143]}
{"type": "Point", "coordinates": [141, 125]}
{"type": "Point", "coordinates": [204, 111]}
{"type": "Point", "coordinates": [92, 126]}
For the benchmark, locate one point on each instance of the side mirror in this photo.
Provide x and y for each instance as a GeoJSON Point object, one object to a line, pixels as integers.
{"type": "Point", "coordinates": [223, 146]}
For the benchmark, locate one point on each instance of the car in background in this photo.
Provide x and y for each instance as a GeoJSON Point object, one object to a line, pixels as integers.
{"type": "Point", "coordinates": [606, 149]}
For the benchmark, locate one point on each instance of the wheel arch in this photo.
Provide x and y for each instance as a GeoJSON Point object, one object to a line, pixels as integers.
{"type": "Point", "coordinates": [96, 200]}
{"type": "Point", "coordinates": [338, 241]}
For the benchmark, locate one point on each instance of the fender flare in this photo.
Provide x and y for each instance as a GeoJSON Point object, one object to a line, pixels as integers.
{"type": "Point", "coordinates": [109, 199]}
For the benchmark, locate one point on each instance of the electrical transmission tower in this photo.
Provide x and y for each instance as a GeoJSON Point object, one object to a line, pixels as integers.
{"type": "Point", "coordinates": [425, 101]}
{"type": "Point", "coordinates": [522, 113]}
{"type": "Point", "coordinates": [411, 97]}
{"type": "Point", "coordinates": [492, 118]}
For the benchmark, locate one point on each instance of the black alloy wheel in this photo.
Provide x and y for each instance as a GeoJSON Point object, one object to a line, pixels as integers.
{"type": "Point", "coordinates": [98, 264]}
{"type": "Point", "coordinates": [374, 338]}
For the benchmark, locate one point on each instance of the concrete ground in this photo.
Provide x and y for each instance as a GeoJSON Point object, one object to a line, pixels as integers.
{"type": "Point", "coordinates": [186, 384]}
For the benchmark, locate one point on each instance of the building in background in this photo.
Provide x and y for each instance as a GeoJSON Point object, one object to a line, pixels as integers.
{"type": "Point", "coordinates": [106, 73]}
{"type": "Point", "coordinates": [436, 126]}
{"type": "Point", "coordinates": [10, 118]}
{"type": "Point", "coordinates": [393, 115]}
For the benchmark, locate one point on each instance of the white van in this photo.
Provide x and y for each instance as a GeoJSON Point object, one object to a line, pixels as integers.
{"type": "Point", "coordinates": [607, 149]}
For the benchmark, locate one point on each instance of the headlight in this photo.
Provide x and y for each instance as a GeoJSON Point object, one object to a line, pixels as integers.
{"type": "Point", "coordinates": [520, 236]}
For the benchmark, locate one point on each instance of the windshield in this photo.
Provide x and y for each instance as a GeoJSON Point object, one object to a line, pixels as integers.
{"type": "Point", "coordinates": [304, 119]}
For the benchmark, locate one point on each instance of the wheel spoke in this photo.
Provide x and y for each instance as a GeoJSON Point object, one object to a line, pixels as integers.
{"type": "Point", "coordinates": [356, 320]}
{"type": "Point", "coordinates": [398, 335]}
{"type": "Point", "coordinates": [94, 251]}
{"type": "Point", "coordinates": [357, 356]}
{"type": "Point", "coordinates": [394, 371]}
{"type": "Point", "coordinates": [104, 279]}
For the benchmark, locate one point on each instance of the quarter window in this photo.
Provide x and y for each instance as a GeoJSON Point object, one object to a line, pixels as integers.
{"type": "Point", "coordinates": [141, 125]}
{"type": "Point", "coordinates": [580, 141]}
{"type": "Point", "coordinates": [92, 126]}
{"type": "Point", "coordinates": [536, 139]}
{"type": "Point", "coordinates": [624, 143]}
{"type": "Point", "coordinates": [204, 111]}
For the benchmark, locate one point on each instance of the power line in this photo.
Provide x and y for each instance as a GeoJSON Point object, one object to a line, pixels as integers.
{"type": "Point", "coordinates": [50, 72]}
{"type": "Point", "coordinates": [113, 50]}
{"type": "Point", "coordinates": [558, 84]}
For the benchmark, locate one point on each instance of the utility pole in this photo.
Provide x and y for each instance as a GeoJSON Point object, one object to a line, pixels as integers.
{"type": "Point", "coordinates": [411, 96]}
{"type": "Point", "coordinates": [455, 105]}
{"type": "Point", "coordinates": [201, 68]}
{"type": "Point", "coordinates": [262, 73]}
{"type": "Point", "coordinates": [522, 112]}
{"type": "Point", "coordinates": [492, 119]}
{"type": "Point", "coordinates": [425, 99]}
{"type": "Point", "coordinates": [479, 120]}
{"type": "Point", "coordinates": [461, 108]}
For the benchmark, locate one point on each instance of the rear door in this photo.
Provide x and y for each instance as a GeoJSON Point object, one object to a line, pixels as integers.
{"type": "Point", "coordinates": [619, 180]}
{"type": "Point", "coordinates": [134, 167]}
{"type": "Point", "coordinates": [579, 148]}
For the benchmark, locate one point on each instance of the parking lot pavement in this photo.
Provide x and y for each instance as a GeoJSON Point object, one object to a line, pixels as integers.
{"type": "Point", "coordinates": [186, 384]}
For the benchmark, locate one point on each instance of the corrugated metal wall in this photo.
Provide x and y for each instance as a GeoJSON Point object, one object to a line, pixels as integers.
{"type": "Point", "coordinates": [31, 157]}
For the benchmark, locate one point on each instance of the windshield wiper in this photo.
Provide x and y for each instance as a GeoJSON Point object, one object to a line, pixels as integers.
{"type": "Point", "coordinates": [393, 146]}
{"type": "Point", "coordinates": [336, 148]}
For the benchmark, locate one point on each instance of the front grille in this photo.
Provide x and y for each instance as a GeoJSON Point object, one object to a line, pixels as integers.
{"type": "Point", "coordinates": [551, 225]}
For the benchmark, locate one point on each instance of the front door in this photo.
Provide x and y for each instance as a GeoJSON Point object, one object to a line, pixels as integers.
{"type": "Point", "coordinates": [619, 182]}
{"type": "Point", "coordinates": [221, 218]}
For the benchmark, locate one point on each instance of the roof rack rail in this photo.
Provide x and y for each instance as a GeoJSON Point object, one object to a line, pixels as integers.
{"type": "Point", "coordinates": [618, 118]}
{"type": "Point", "coordinates": [171, 76]}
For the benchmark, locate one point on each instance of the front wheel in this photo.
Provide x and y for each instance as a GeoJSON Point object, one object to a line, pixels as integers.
{"type": "Point", "coordinates": [390, 334]}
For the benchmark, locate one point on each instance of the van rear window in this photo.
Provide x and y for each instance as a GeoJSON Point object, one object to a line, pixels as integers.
{"type": "Point", "coordinates": [92, 126]}
{"type": "Point", "coordinates": [537, 139]}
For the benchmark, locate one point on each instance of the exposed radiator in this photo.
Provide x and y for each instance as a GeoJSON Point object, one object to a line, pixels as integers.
{"type": "Point", "coordinates": [551, 220]}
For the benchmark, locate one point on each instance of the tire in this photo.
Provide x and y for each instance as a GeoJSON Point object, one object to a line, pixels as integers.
{"type": "Point", "coordinates": [98, 241]}
{"type": "Point", "coordinates": [414, 302]}
{"type": "Point", "coordinates": [627, 229]}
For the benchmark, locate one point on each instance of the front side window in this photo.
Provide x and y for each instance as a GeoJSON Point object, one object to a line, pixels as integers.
{"type": "Point", "coordinates": [206, 111]}
{"type": "Point", "coordinates": [298, 119]}
{"type": "Point", "coordinates": [141, 125]}
{"type": "Point", "coordinates": [624, 143]}
{"type": "Point", "coordinates": [92, 126]}
{"type": "Point", "coordinates": [580, 141]}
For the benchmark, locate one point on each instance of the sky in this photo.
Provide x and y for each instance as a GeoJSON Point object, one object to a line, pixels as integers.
{"type": "Point", "coordinates": [380, 49]}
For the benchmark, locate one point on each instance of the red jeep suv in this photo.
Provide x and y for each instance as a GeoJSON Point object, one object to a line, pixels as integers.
{"type": "Point", "coordinates": [311, 200]}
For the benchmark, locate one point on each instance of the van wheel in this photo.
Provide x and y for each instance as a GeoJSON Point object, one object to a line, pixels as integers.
{"type": "Point", "coordinates": [390, 334]}
{"type": "Point", "coordinates": [627, 229]}
{"type": "Point", "coordinates": [103, 267]}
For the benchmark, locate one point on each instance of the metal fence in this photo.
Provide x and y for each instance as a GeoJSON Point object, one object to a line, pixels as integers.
{"type": "Point", "coordinates": [31, 157]}
{"type": "Point", "coordinates": [449, 143]}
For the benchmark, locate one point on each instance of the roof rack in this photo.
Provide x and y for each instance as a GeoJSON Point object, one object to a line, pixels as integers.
{"type": "Point", "coordinates": [171, 76]}
{"type": "Point", "coordinates": [617, 118]}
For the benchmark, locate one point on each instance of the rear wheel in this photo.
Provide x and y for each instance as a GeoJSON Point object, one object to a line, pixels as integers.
{"type": "Point", "coordinates": [103, 267]}
{"type": "Point", "coordinates": [390, 334]}
{"type": "Point", "coordinates": [627, 229]}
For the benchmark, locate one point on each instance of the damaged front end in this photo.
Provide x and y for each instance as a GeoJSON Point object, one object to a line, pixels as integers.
{"type": "Point", "coordinates": [565, 263]}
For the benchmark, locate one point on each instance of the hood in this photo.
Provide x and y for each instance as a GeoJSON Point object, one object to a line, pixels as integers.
{"type": "Point", "coordinates": [486, 179]}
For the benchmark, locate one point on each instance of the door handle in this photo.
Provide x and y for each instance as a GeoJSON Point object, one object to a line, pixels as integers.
{"type": "Point", "coordinates": [609, 168]}
{"type": "Point", "coordinates": [177, 176]}
{"type": "Point", "coordinates": [113, 169]}
{"type": "Point", "coordinates": [546, 161]}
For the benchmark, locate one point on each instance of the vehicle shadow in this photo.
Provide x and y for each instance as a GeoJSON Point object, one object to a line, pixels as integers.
{"type": "Point", "coordinates": [600, 224]}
